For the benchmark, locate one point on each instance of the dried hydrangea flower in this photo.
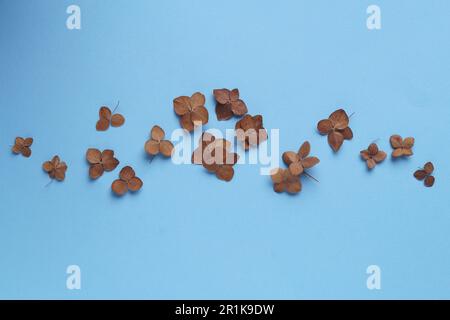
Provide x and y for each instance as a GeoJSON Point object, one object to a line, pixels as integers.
{"type": "Point", "coordinates": [55, 168]}
{"type": "Point", "coordinates": [107, 118]}
{"type": "Point", "coordinates": [100, 162]}
{"type": "Point", "coordinates": [228, 104]}
{"type": "Point", "coordinates": [156, 144]}
{"type": "Point", "coordinates": [191, 110]}
{"type": "Point", "coordinates": [299, 161]}
{"type": "Point", "coordinates": [22, 146]}
{"type": "Point", "coordinates": [284, 180]}
{"type": "Point", "coordinates": [337, 129]}
{"type": "Point", "coordinates": [425, 174]}
{"type": "Point", "coordinates": [402, 147]}
{"type": "Point", "coordinates": [373, 155]}
{"type": "Point", "coordinates": [250, 131]}
{"type": "Point", "coordinates": [127, 182]}
{"type": "Point", "coordinates": [218, 159]}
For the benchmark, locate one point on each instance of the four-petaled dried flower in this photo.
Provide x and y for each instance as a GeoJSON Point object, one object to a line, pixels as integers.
{"type": "Point", "coordinates": [425, 174]}
{"type": "Point", "coordinates": [55, 168]}
{"type": "Point", "coordinates": [218, 159]}
{"type": "Point", "coordinates": [284, 180]}
{"type": "Point", "coordinates": [127, 181]}
{"type": "Point", "coordinates": [402, 147]}
{"type": "Point", "coordinates": [373, 155]}
{"type": "Point", "coordinates": [191, 110]}
{"type": "Point", "coordinates": [337, 129]}
{"type": "Point", "coordinates": [156, 144]}
{"type": "Point", "coordinates": [100, 162]}
{"type": "Point", "coordinates": [107, 118]}
{"type": "Point", "coordinates": [299, 161]}
{"type": "Point", "coordinates": [22, 146]}
{"type": "Point", "coordinates": [229, 104]}
{"type": "Point", "coordinates": [250, 130]}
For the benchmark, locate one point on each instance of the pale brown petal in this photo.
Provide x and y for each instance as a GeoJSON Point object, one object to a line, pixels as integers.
{"type": "Point", "coordinates": [135, 184]}
{"type": "Point", "coordinates": [335, 140]}
{"type": "Point", "coordinates": [379, 157]}
{"type": "Point", "coordinates": [166, 148]}
{"type": "Point", "coordinates": [102, 124]}
{"type": "Point", "coordinates": [157, 133]}
{"type": "Point", "coordinates": [186, 122]}
{"type": "Point", "coordinates": [56, 161]}
{"type": "Point", "coordinates": [294, 186]}
{"type": "Point", "coordinates": [28, 142]}
{"type": "Point", "coordinates": [396, 141]}
{"type": "Point", "coordinates": [365, 154]}
{"type": "Point", "coordinates": [26, 151]}
{"type": "Point", "coordinates": [373, 149]}
{"type": "Point", "coordinates": [152, 147]}
{"type": "Point", "coordinates": [16, 149]}
{"type": "Point", "coordinates": [105, 113]}
{"type": "Point", "coordinates": [127, 173]}
{"type": "Point", "coordinates": [222, 96]}
{"type": "Point", "coordinates": [407, 152]}
{"type": "Point", "coordinates": [234, 94]}
{"type": "Point", "coordinates": [107, 154]}
{"type": "Point", "coordinates": [60, 172]}
{"type": "Point", "coordinates": [95, 171]}
{"type": "Point", "coordinates": [371, 163]}
{"type": "Point", "coordinates": [277, 175]}
{"type": "Point", "coordinates": [238, 107]}
{"type": "Point", "coordinates": [119, 187]}
{"type": "Point", "coordinates": [324, 126]}
{"type": "Point", "coordinates": [347, 133]}
{"type": "Point", "coordinates": [279, 187]}
{"type": "Point", "coordinates": [197, 100]}
{"type": "Point", "coordinates": [310, 162]}
{"type": "Point", "coordinates": [296, 168]}
{"type": "Point", "coordinates": [19, 141]}
{"type": "Point", "coordinates": [181, 105]}
{"type": "Point", "coordinates": [47, 166]}
{"type": "Point", "coordinates": [225, 172]}
{"type": "Point", "coordinates": [408, 143]}
{"type": "Point", "coordinates": [290, 157]}
{"type": "Point", "coordinates": [117, 120]}
{"type": "Point", "coordinates": [109, 164]}
{"type": "Point", "coordinates": [200, 116]}
{"type": "Point", "coordinates": [397, 153]}
{"type": "Point", "coordinates": [304, 150]}
{"type": "Point", "coordinates": [429, 168]}
{"type": "Point", "coordinates": [93, 156]}
{"type": "Point", "coordinates": [339, 119]}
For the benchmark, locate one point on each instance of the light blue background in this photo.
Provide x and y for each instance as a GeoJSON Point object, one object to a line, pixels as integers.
{"type": "Point", "coordinates": [187, 234]}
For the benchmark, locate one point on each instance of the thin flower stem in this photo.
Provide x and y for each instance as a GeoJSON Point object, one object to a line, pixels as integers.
{"type": "Point", "coordinates": [117, 105]}
{"type": "Point", "coordinates": [151, 158]}
{"type": "Point", "coordinates": [49, 183]}
{"type": "Point", "coordinates": [351, 115]}
{"type": "Point", "coordinates": [310, 176]}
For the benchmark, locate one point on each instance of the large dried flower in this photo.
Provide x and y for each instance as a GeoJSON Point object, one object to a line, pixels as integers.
{"type": "Point", "coordinates": [127, 182]}
{"type": "Point", "coordinates": [107, 118]}
{"type": "Point", "coordinates": [284, 180]}
{"type": "Point", "coordinates": [373, 155]}
{"type": "Point", "coordinates": [229, 104]}
{"type": "Point", "coordinates": [337, 129]}
{"type": "Point", "coordinates": [402, 147]}
{"type": "Point", "coordinates": [425, 174]}
{"type": "Point", "coordinates": [156, 144]}
{"type": "Point", "coordinates": [191, 110]}
{"type": "Point", "coordinates": [250, 131]}
{"type": "Point", "coordinates": [55, 168]}
{"type": "Point", "coordinates": [299, 161]}
{"type": "Point", "coordinates": [22, 146]}
{"type": "Point", "coordinates": [100, 162]}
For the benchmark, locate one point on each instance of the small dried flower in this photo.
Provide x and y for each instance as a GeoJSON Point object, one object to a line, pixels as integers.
{"type": "Point", "coordinates": [299, 161]}
{"type": "Point", "coordinates": [191, 110]}
{"type": "Point", "coordinates": [373, 155]}
{"type": "Point", "coordinates": [107, 118]}
{"type": "Point", "coordinates": [22, 146]}
{"type": "Point", "coordinates": [250, 131]}
{"type": "Point", "coordinates": [55, 168]}
{"type": "Point", "coordinates": [100, 162]}
{"type": "Point", "coordinates": [156, 144]}
{"type": "Point", "coordinates": [337, 129]}
{"type": "Point", "coordinates": [284, 180]}
{"type": "Point", "coordinates": [425, 174]}
{"type": "Point", "coordinates": [402, 147]}
{"type": "Point", "coordinates": [127, 182]}
{"type": "Point", "coordinates": [228, 104]}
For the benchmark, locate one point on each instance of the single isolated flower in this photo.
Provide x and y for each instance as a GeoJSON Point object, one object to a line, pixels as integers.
{"type": "Point", "coordinates": [425, 174]}
{"type": "Point", "coordinates": [284, 180]}
{"type": "Point", "coordinates": [127, 182]}
{"type": "Point", "coordinates": [299, 161]}
{"type": "Point", "coordinates": [22, 146]}
{"type": "Point", "coordinates": [229, 104]}
{"type": "Point", "coordinates": [402, 147]}
{"type": "Point", "coordinates": [373, 155]}
{"type": "Point", "coordinates": [107, 118]}
{"type": "Point", "coordinates": [191, 110]}
{"type": "Point", "coordinates": [100, 162]}
{"type": "Point", "coordinates": [337, 129]}
{"type": "Point", "coordinates": [250, 131]}
{"type": "Point", "coordinates": [55, 168]}
{"type": "Point", "coordinates": [156, 144]}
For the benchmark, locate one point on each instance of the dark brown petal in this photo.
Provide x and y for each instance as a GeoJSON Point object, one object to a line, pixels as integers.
{"type": "Point", "coordinates": [373, 149]}
{"type": "Point", "coordinates": [60, 172]}
{"type": "Point", "coordinates": [117, 120]}
{"type": "Point", "coordinates": [335, 140]}
{"type": "Point", "coordinates": [245, 123]}
{"type": "Point", "coordinates": [93, 156]}
{"type": "Point", "coordinates": [408, 143]}
{"type": "Point", "coordinates": [56, 161]}
{"type": "Point", "coordinates": [258, 121]}
{"type": "Point", "coordinates": [200, 116]}
{"type": "Point", "coordinates": [290, 157]}
{"type": "Point", "coordinates": [157, 133]}
{"type": "Point", "coordinates": [223, 111]}
{"type": "Point", "coordinates": [279, 187]}
{"type": "Point", "coordinates": [234, 94]}
{"type": "Point", "coordinates": [222, 96]}
{"type": "Point", "coordinates": [429, 168]}
{"type": "Point", "coordinates": [262, 135]}
{"type": "Point", "coordinates": [420, 174]}
{"type": "Point", "coordinates": [397, 153]}
{"type": "Point", "coordinates": [347, 133]}
{"type": "Point", "coordinates": [186, 122]}
{"type": "Point", "coordinates": [324, 126]}
{"type": "Point", "coordinates": [396, 141]}
{"type": "Point", "coordinates": [296, 168]}
{"type": "Point", "coordinates": [166, 148]}
{"type": "Point", "coordinates": [379, 157]}
{"type": "Point", "coordinates": [181, 105]}
{"type": "Point", "coordinates": [127, 173]}
{"type": "Point", "coordinates": [225, 172]}
{"type": "Point", "coordinates": [26, 151]}
{"type": "Point", "coordinates": [429, 181]}
{"type": "Point", "coordinates": [310, 162]}
{"type": "Point", "coordinates": [339, 119]}
{"type": "Point", "coordinates": [95, 171]}
{"type": "Point", "coordinates": [104, 113]}
{"type": "Point", "coordinates": [28, 142]}
{"type": "Point", "coordinates": [238, 107]}
{"type": "Point", "coordinates": [152, 147]}
{"type": "Point", "coordinates": [102, 124]}
{"type": "Point", "coordinates": [109, 164]}
{"type": "Point", "coordinates": [277, 175]}
{"type": "Point", "coordinates": [371, 163]}
{"type": "Point", "coordinates": [47, 166]}
{"type": "Point", "coordinates": [135, 184]}
{"type": "Point", "coordinates": [365, 154]}
{"type": "Point", "coordinates": [304, 150]}
{"type": "Point", "coordinates": [119, 187]}
{"type": "Point", "coordinates": [294, 186]}
{"type": "Point", "coordinates": [197, 100]}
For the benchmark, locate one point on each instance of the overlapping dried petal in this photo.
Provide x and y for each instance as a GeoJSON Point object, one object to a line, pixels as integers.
{"type": "Point", "coordinates": [228, 104]}
{"type": "Point", "coordinates": [336, 127]}
{"type": "Point", "coordinates": [372, 155]}
{"type": "Point", "coordinates": [250, 131]}
{"type": "Point", "coordinates": [22, 146]}
{"type": "Point", "coordinates": [127, 182]}
{"type": "Point", "coordinates": [55, 168]}
{"type": "Point", "coordinates": [191, 110]}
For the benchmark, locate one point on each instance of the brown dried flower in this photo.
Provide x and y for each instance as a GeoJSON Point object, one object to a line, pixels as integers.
{"type": "Point", "coordinates": [228, 104]}
{"type": "Point", "coordinates": [402, 147]}
{"type": "Point", "coordinates": [284, 180]}
{"type": "Point", "coordinates": [100, 162]}
{"type": "Point", "coordinates": [156, 144]}
{"type": "Point", "coordinates": [373, 155]}
{"type": "Point", "coordinates": [127, 182]}
{"type": "Point", "coordinates": [299, 161]}
{"type": "Point", "coordinates": [107, 118]}
{"type": "Point", "coordinates": [250, 130]}
{"type": "Point", "coordinates": [191, 110]}
{"type": "Point", "coordinates": [337, 129]}
{"type": "Point", "coordinates": [22, 146]}
{"type": "Point", "coordinates": [425, 174]}
{"type": "Point", "coordinates": [55, 168]}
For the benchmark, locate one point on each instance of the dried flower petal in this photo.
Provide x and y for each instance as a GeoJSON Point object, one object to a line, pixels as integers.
{"type": "Point", "coordinates": [95, 171]}
{"type": "Point", "coordinates": [420, 174]}
{"type": "Point", "coordinates": [347, 133]}
{"type": "Point", "coordinates": [371, 163]}
{"type": "Point", "coordinates": [182, 105]}
{"type": "Point", "coordinates": [119, 187]}
{"type": "Point", "coordinates": [365, 155]}
{"type": "Point", "coordinates": [304, 150]}
{"type": "Point", "coordinates": [102, 124]}
{"type": "Point", "coordinates": [152, 147]}
{"type": "Point", "coordinates": [135, 184]}
{"type": "Point", "coordinates": [296, 168]}
{"type": "Point", "coordinates": [117, 120]}
{"type": "Point", "coordinates": [408, 143]}
{"type": "Point", "coordinates": [379, 157]}
{"type": "Point", "coordinates": [109, 164]}
{"type": "Point", "coordinates": [105, 113]}
{"type": "Point", "coordinates": [373, 149]}
{"type": "Point", "coordinates": [324, 126]}
{"type": "Point", "coordinates": [223, 111]}
{"type": "Point", "coordinates": [222, 96]}
{"type": "Point", "coordinates": [310, 162]}
{"type": "Point", "coordinates": [335, 140]}
{"type": "Point", "coordinates": [93, 156]}
{"type": "Point", "coordinates": [197, 100]}
{"type": "Point", "coordinates": [127, 173]}
{"type": "Point", "coordinates": [225, 172]}
{"type": "Point", "coordinates": [397, 153]}
{"type": "Point", "coordinates": [429, 168]}
{"type": "Point", "coordinates": [157, 133]}
{"type": "Point", "coordinates": [339, 119]}
{"type": "Point", "coordinates": [429, 181]}
{"type": "Point", "coordinates": [396, 141]}
{"type": "Point", "coordinates": [199, 116]}
{"type": "Point", "coordinates": [166, 148]}
{"type": "Point", "coordinates": [290, 157]}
